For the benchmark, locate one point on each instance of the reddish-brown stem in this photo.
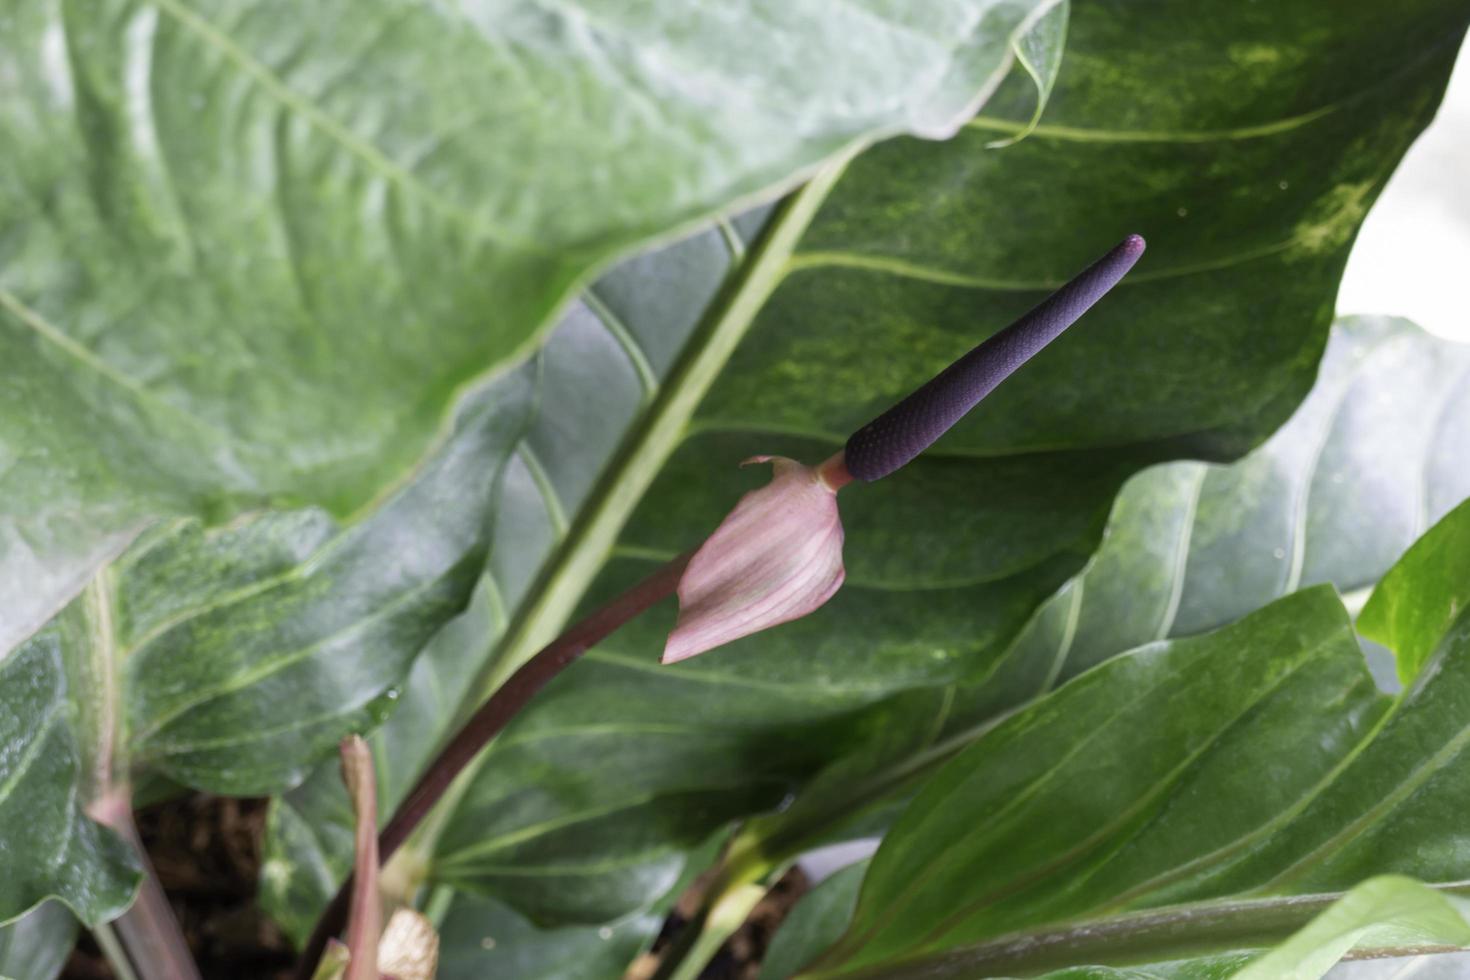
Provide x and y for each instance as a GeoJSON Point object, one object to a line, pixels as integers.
{"type": "Point", "coordinates": [487, 722]}
{"type": "Point", "coordinates": [365, 921]}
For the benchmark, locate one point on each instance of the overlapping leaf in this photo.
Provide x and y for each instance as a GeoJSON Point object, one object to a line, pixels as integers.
{"type": "Point", "coordinates": [251, 253]}
{"type": "Point", "coordinates": [1377, 453]}
{"type": "Point", "coordinates": [1385, 913]}
{"type": "Point", "coordinates": [1196, 795]}
{"type": "Point", "coordinates": [586, 806]}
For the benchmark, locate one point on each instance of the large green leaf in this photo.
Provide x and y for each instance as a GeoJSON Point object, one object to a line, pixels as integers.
{"type": "Point", "coordinates": [1190, 546]}
{"type": "Point", "coordinates": [586, 806]}
{"type": "Point", "coordinates": [244, 652]}
{"type": "Point", "coordinates": [1174, 530]}
{"type": "Point", "coordinates": [248, 650]}
{"type": "Point", "coordinates": [1195, 795]}
{"type": "Point", "coordinates": [251, 252]}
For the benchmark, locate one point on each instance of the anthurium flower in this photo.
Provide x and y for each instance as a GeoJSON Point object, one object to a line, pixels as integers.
{"type": "Point", "coordinates": [778, 555]}
{"type": "Point", "coordinates": [775, 558]}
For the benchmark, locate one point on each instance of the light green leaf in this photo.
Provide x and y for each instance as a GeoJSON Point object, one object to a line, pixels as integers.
{"type": "Point", "coordinates": [35, 946]}
{"type": "Point", "coordinates": [251, 254]}
{"type": "Point", "coordinates": [1381, 914]}
{"type": "Point", "coordinates": [1194, 796]}
{"type": "Point", "coordinates": [1039, 55]}
{"type": "Point", "coordinates": [588, 804]}
{"type": "Point", "coordinates": [1137, 785]}
{"type": "Point", "coordinates": [1425, 594]}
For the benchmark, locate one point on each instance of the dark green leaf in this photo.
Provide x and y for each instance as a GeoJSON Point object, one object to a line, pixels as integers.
{"type": "Point", "coordinates": [1195, 795]}
{"type": "Point", "coordinates": [919, 250]}
{"type": "Point", "coordinates": [249, 650]}
{"type": "Point", "coordinates": [49, 847]}
{"type": "Point", "coordinates": [309, 842]}
{"type": "Point", "coordinates": [251, 252]}
{"type": "Point", "coordinates": [1191, 546]}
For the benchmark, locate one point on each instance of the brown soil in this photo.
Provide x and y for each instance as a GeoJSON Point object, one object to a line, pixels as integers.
{"type": "Point", "coordinates": [206, 850]}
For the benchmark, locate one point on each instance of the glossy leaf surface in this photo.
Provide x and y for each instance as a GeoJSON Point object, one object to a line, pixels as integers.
{"type": "Point", "coordinates": [252, 254]}
{"type": "Point", "coordinates": [1105, 825]}
{"type": "Point", "coordinates": [1005, 509]}
{"type": "Point", "coordinates": [947, 559]}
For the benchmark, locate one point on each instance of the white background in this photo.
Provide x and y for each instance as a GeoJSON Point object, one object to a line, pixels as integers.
{"type": "Point", "coordinates": [1412, 258]}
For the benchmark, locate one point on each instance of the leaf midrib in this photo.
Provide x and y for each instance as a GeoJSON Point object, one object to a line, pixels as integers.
{"type": "Point", "coordinates": [654, 437]}
{"type": "Point", "coordinates": [1309, 658]}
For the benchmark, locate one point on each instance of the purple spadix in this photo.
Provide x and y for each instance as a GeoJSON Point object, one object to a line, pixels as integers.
{"type": "Point", "coordinates": [778, 555]}
{"type": "Point", "coordinates": [908, 428]}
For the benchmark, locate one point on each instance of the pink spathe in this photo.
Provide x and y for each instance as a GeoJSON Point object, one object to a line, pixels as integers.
{"type": "Point", "coordinates": [775, 558]}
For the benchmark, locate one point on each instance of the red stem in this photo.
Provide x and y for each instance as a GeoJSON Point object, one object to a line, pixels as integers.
{"type": "Point", "coordinates": [365, 921]}
{"type": "Point", "coordinates": [486, 723]}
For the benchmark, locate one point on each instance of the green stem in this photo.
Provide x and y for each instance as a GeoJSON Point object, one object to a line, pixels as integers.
{"type": "Point", "coordinates": [592, 535]}
{"type": "Point", "coordinates": [113, 952]}
{"type": "Point", "coordinates": [707, 932]}
{"type": "Point", "coordinates": [437, 907]}
{"type": "Point", "coordinates": [620, 488]}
